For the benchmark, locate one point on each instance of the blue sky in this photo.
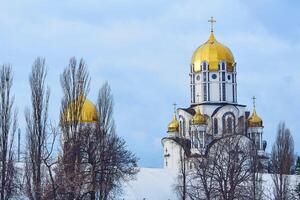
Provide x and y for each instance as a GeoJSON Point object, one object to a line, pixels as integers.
{"type": "Point", "coordinates": [143, 49]}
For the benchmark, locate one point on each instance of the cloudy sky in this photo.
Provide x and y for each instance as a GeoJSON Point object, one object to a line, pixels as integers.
{"type": "Point", "coordinates": [143, 49]}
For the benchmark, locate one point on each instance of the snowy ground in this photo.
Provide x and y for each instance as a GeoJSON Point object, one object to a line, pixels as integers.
{"type": "Point", "coordinates": [158, 184]}
{"type": "Point", "coordinates": [151, 184]}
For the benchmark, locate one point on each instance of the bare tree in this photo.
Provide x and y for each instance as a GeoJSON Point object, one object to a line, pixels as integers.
{"type": "Point", "coordinates": [110, 163]}
{"type": "Point", "coordinates": [228, 169]}
{"type": "Point", "coordinates": [232, 171]}
{"type": "Point", "coordinates": [8, 124]}
{"type": "Point", "coordinates": [202, 183]}
{"type": "Point", "coordinates": [38, 133]}
{"type": "Point", "coordinates": [282, 159]}
{"type": "Point", "coordinates": [75, 83]}
{"type": "Point", "coordinates": [255, 186]}
{"type": "Point", "coordinates": [224, 172]}
{"type": "Point", "coordinates": [181, 187]}
{"type": "Point", "coordinates": [94, 160]}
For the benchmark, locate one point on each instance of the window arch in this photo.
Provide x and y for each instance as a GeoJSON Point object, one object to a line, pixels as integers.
{"type": "Point", "coordinates": [223, 65]}
{"type": "Point", "coordinates": [228, 123]}
{"type": "Point", "coordinates": [241, 125]}
{"type": "Point", "coordinates": [216, 126]}
{"type": "Point", "coordinates": [182, 126]}
{"type": "Point", "coordinates": [204, 66]}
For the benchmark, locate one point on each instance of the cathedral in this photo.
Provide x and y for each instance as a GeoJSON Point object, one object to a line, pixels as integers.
{"type": "Point", "coordinates": [214, 110]}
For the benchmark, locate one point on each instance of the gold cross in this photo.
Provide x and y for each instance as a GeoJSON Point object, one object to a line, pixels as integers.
{"type": "Point", "coordinates": [253, 98]}
{"type": "Point", "coordinates": [212, 21]}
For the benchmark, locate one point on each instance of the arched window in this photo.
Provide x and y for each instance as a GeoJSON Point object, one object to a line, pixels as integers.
{"type": "Point", "coordinates": [204, 92]}
{"type": "Point", "coordinates": [215, 126]}
{"type": "Point", "coordinates": [180, 128]}
{"type": "Point", "coordinates": [196, 139]}
{"type": "Point", "coordinates": [257, 140]}
{"type": "Point", "coordinates": [201, 139]}
{"type": "Point", "coordinates": [223, 66]}
{"type": "Point", "coordinates": [204, 67]}
{"type": "Point", "coordinates": [183, 127]}
{"type": "Point", "coordinates": [241, 127]}
{"type": "Point", "coordinates": [229, 125]}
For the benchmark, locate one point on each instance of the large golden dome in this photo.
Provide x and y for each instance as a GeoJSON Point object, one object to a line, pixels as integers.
{"type": "Point", "coordinates": [212, 52]}
{"type": "Point", "coordinates": [88, 112]}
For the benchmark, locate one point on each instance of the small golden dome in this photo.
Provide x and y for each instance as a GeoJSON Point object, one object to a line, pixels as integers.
{"type": "Point", "coordinates": [173, 125]}
{"type": "Point", "coordinates": [212, 52]}
{"type": "Point", "coordinates": [255, 120]}
{"type": "Point", "coordinates": [88, 112]}
{"type": "Point", "coordinates": [198, 118]}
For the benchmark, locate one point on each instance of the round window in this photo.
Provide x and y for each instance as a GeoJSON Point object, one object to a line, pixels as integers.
{"type": "Point", "coordinates": [198, 77]}
{"type": "Point", "coordinates": [214, 76]}
{"type": "Point", "coordinates": [228, 77]}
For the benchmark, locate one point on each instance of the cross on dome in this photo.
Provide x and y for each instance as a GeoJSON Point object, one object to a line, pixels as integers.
{"type": "Point", "coordinates": [174, 104]}
{"type": "Point", "coordinates": [253, 98]}
{"type": "Point", "coordinates": [212, 21]}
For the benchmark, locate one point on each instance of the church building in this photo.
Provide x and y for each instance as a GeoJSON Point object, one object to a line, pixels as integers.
{"type": "Point", "coordinates": [214, 110]}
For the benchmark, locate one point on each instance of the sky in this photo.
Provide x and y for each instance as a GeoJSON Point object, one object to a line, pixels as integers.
{"type": "Point", "coordinates": [144, 48]}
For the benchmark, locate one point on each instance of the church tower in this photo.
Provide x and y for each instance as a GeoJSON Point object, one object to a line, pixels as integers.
{"type": "Point", "coordinates": [213, 73]}
{"type": "Point", "coordinates": [255, 130]}
{"type": "Point", "coordinates": [172, 151]}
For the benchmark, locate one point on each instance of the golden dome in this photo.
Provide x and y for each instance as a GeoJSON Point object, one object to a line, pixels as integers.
{"type": "Point", "coordinates": [173, 125]}
{"type": "Point", "coordinates": [212, 52]}
{"type": "Point", "coordinates": [88, 112]}
{"type": "Point", "coordinates": [255, 120]}
{"type": "Point", "coordinates": [198, 118]}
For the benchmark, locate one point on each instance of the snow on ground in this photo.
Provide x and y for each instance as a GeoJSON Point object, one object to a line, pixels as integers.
{"type": "Point", "coordinates": [158, 184]}
{"type": "Point", "coordinates": [151, 184]}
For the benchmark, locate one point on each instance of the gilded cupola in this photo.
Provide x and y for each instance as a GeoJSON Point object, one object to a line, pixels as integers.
{"type": "Point", "coordinates": [173, 125]}
{"type": "Point", "coordinates": [212, 52]}
{"type": "Point", "coordinates": [88, 111]}
{"type": "Point", "coordinates": [254, 120]}
{"type": "Point", "coordinates": [198, 118]}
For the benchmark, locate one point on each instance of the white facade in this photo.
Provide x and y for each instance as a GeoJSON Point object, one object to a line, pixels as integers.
{"type": "Point", "coordinates": [213, 86]}
{"type": "Point", "coordinates": [172, 153]}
